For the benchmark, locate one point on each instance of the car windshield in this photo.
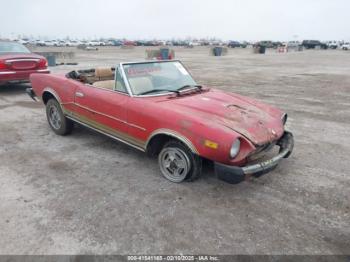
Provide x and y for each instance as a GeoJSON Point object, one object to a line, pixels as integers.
{"type": "Point", "coordinates": [11, 47]}
{"type": "Point", "coordinates": [157, 77]}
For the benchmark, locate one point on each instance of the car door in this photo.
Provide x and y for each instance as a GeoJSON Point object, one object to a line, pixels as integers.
{"type": "Point", "coordinates": [103, 109]}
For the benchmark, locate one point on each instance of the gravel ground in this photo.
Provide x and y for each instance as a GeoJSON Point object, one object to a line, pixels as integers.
{"type": "Point", "coordinates": [86, 193]}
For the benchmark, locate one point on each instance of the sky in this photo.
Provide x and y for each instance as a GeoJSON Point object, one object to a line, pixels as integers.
{"type": "Point", "coordinates": [167, 19]}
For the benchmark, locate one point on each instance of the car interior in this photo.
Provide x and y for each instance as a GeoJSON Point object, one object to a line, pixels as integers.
{"type": "Point", "coordinates": [101, 77]}
{"type": "Point", "coordinates": [104, 77]}
{"type": "Point", "coordinates": [93, 76]}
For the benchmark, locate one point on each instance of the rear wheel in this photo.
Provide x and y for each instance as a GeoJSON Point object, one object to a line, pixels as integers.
{"type": "Point", "coordinates": [177, 163]}
{"type": "Point", "coordinates": [57, 121]}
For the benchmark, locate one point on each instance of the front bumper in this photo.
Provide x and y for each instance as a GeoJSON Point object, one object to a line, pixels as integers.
{"type": "Point", "coordinates": [234, 174]}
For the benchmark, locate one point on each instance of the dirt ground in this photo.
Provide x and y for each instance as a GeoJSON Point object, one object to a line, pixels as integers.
{"type": "Point", "coordinates": [86, 193]}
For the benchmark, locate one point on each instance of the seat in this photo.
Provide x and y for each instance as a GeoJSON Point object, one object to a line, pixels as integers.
{"type": "Point", "coordinates": [140, 85]}
{"type": "Point", "coordinates": [104, 73]}
{"type": "Point", "coordinates": [108, 84]}
{"type": "Point", "coordinates": [104, 78]}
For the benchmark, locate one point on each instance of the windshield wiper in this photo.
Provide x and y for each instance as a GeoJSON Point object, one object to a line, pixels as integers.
{"type": "Point", "coordinates": [173, 91]}
{"type": "Point", "coordinates": [156, 90]}
{"type": "Point", "coordinates": [188, 86]}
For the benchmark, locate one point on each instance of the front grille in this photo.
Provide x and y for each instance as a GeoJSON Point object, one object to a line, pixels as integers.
{"type": "Point", "coordinates": [261, 151]}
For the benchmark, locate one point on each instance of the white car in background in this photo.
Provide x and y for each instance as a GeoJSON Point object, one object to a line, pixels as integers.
{"type": "Point", "coordinates": [96, 43]}
{"type": "Point", "coordinates": [73, 43]}
{"type": "Point", "coordinates": [293, 44]}
{"type": "Point", "coordinates": [333, 44]}
{"type": "Point", "coordinates": [32, 42]}
{"type": "Point", "coordinates": [93, 43]}
{"type": "Point", "coordinates": [39, 42]}
{"type": "Point", "coordinates": [194, 43]}
{"type": "Point", "coordinates": [109, 43]}
{"type": "Point", "coordinates": [51, 43]}
{"type": "Point", "coordinates": [23, 41]}
{"type": "Point", "coordinates": [60, 43]}
{"type": "Point", "coordinates": [346, 46]}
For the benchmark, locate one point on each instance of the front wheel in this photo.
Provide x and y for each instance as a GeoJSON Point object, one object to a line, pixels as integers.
{"type": "Point", "coordinates": [57, 121]}
{"type": "Point", "coordinates": [177, 163]}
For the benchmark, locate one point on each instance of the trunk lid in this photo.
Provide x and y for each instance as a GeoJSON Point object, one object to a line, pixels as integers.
{"type": "Point", "coordinates": [20, 62]}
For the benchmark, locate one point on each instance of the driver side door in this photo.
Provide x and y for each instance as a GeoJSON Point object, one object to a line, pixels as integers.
{"type": "Point", "coordinates": [103, 109]}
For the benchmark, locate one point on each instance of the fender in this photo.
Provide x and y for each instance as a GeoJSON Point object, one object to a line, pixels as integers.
{"type": "Point", "coordinates": [174, 134]}
{"type": "Point", "coordinates": [52, 92]}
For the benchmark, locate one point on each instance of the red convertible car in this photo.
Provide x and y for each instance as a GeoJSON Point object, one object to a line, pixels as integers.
{"type": "Point", "coordinates": [157, 107]}
{"type": "Point", "coordinates": [17, 63]}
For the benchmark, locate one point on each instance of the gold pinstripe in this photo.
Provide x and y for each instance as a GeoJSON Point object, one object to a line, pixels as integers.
{"type": "Point", "coordinates": [137, 142]}
{"type": "Point", "coordinates": [106, 129]}
{"type": "Point", "coordinates": [109, 116]}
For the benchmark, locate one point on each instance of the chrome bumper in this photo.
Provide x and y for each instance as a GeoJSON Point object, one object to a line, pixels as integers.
{"type": "Point", "coordinates": [234, 175]}
{"type": "Point", "coordinates": [46, 71]}
{"type": "Point", "coordinates": [31, 94]}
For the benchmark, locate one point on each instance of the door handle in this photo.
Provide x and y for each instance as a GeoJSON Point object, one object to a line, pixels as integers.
{"type": "Point", "coordinates": [79, 94]}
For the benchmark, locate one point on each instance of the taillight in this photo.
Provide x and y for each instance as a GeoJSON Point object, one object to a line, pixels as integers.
{"type": "Point", "coordinates": [2, 65]}
{"type": "Point", "coordinates": [43, 63]}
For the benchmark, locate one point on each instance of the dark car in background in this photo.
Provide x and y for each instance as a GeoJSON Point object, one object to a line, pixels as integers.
{"type": "Point", "coordinates": [140, 43]}
{"type": "Point", "coordinates": [17, 63]}
{"type": "Point", "coordinates": [234, 44]}
{"type": "Point", "coordinates": [116, 42]}
{"type": "Point", "coordinates": [312, 44]}
{"type": "Point", "coordinates": [268, 44]}
{"type": "Point", "coordinates": [152, 43]}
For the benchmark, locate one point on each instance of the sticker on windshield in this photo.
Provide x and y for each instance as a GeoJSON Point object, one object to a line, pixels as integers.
{"type": "Point", "coordinates": [181, 68]}
{"type": "Point", "coordinates": [140, 71]}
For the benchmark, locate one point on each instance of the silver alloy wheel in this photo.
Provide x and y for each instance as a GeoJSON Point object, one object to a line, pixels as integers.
{"type": "Point", "coordinates": [174, 164]}
{"type": "Point", "coordinates": [54, 117]}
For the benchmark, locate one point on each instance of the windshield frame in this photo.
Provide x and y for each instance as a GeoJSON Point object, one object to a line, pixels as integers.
{"type": "Point", "coordinates": [126, 80]}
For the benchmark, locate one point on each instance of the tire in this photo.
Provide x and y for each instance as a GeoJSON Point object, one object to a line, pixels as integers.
{"type": "Point", "coordinates": [57, 121]}
{"type": "Point", "coordinates": [177, 163]}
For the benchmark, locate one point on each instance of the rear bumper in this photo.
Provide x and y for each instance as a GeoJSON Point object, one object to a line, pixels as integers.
{"type": "Point", "coordinates": [234, 175]}
{"type": "Point", "coordinates": [31, 94]}
{"type": "Point", "coordinates": [19, 76]}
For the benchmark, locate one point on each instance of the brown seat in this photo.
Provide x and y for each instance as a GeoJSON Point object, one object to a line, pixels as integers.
{"type": "Point", "coordinates": [108, 84]}
{"type": "Point", "coordinates": [104, 78]}
{"type": "Point", "coordinates": [104, 73]}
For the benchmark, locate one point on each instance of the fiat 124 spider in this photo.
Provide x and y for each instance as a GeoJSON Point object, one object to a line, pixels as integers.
{"type": "Point", "coordinates": [157, 107]}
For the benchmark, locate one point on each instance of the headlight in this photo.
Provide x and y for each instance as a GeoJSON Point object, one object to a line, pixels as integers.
{"type": "Point", "coordinates": [235, 148]}
{"type": "Point", "coordinates": [284, 119]}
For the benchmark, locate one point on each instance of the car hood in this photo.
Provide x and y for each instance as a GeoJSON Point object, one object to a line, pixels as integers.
{"type": "Point", "coordinates": [258, 122]}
